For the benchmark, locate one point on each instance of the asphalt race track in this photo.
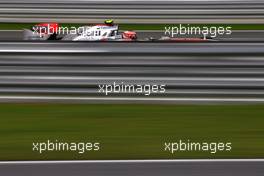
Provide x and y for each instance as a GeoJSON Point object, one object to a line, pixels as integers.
{"type": "Point", "coordinates": [72, 72]}
{"type": "Point", "coordinates": [135, 168]}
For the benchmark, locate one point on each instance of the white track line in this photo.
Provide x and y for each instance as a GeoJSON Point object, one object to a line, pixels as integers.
{"type": "Point", "coordinates": [61, 98]}
{"type": "Point", "coordinates": [131, 161]}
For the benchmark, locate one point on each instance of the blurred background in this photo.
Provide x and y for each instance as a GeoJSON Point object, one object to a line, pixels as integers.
{"type": "Point", "coordinates": [214, 89]}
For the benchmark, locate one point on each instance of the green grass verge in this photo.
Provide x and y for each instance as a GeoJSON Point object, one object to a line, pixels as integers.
{"type": "Point", "coordinates": [18, 26]}
{"type": "Point", "coordinates": [130, 131]}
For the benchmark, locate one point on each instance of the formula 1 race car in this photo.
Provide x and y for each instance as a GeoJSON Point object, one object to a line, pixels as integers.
{"type": "Point", "coordinates": [100, 32]}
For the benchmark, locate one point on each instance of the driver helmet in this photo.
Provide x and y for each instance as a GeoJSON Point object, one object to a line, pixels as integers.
{"type": "Point", "coordinates": [109, 22]}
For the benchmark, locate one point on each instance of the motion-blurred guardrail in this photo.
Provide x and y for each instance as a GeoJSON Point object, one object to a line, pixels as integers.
{"type": "Point", "coordinates": [72, 72]}
{"type": "Point", "coordinates": [147, 48]}
{"type": "Point", "coordinates": [249, 11]}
